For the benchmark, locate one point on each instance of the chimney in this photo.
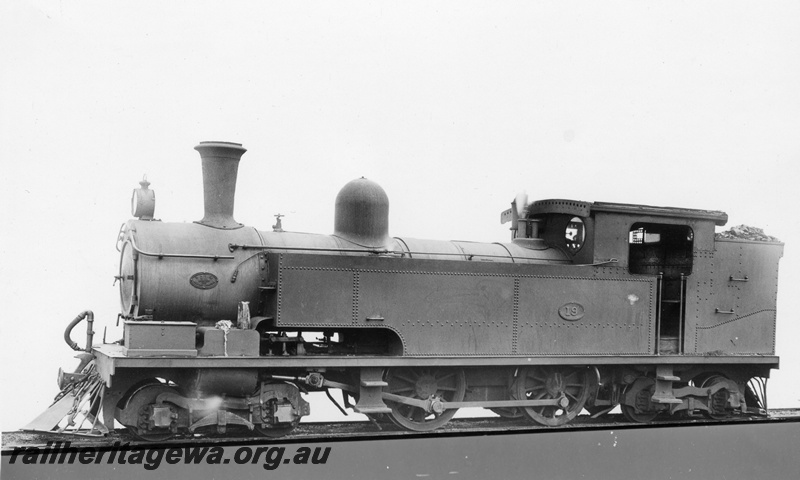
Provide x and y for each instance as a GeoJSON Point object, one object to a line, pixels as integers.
{"type": "Point", "coordinates": [220, 166]}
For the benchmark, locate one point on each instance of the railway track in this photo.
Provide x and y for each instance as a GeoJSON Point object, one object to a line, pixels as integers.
{"type": "Point", "coordinates": [362, 430]}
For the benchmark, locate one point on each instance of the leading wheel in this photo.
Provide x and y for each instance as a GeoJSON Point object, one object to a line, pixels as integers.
{"type": "Point", "coordinates": [139, 401]}
{"type": "Point", "coordinates": [570, 385]}
{"type": "Point", "coordinates": [448, 385]}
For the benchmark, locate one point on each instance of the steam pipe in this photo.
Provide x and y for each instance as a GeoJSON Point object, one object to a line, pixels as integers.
{"type": "Point", "coordinates": [89, 333]}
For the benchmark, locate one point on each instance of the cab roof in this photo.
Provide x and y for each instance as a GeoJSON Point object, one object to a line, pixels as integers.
{"type": "Point", "coordinates": [585, 209]}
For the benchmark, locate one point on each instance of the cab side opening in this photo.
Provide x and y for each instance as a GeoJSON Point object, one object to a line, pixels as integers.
{"type": "Point", "coordinates": [664, 251]}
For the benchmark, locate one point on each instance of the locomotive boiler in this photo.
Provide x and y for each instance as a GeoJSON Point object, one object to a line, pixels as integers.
{"type": "Point", "coordinates": [589, 306]}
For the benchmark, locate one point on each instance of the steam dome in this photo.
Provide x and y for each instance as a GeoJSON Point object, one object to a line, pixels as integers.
{"type": "Point", "coordinates": [362, 214]}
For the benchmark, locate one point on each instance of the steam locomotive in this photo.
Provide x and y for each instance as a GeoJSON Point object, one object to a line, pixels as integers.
{"type": "Point", "coordinates": [590, 306]}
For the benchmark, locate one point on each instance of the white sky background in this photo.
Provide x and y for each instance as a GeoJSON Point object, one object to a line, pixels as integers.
{"type": "Point", "coordinates": [453, 107]}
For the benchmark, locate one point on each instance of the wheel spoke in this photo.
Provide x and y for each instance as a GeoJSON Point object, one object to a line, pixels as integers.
{"type": "Point", "coordinates": [535, 388]}
{"type": "Point", "coordinates": [405, 379]}
{"type": "Point", "coordinates": [571, 396]}
{"type": "Point", "coordinates": [444, 377]}
{"type": "Point", "coordinates": [419, 415]}
{"type": "Point", "coordinates": [403, 389]}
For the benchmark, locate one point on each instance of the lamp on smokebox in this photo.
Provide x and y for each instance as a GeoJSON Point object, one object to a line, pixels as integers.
{"type": "Point", "coordinates": [143, 202]}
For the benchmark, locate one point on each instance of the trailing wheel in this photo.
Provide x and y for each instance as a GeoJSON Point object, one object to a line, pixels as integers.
{"type": "Point", "coordinates": [569, 385]}
{"type": "Point", "coordinates": [727, 392]}
{"type": "Point", "coordinates": [445, 385]}
{"type": "Point", "coordinates": [637, 406]}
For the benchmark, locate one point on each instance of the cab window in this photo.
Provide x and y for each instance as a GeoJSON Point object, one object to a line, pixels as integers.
{"type": "Point", "coordinates": [660, 249]}
{"type": "Point", "coordinates": [574, 235]}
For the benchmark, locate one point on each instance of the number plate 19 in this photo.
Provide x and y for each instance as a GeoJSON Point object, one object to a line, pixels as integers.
{"type": "Point", "coordinates": [571, 312]}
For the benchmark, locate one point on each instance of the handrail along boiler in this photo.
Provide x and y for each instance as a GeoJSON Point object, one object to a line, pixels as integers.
{"type": "Point", "coordinates": [589, 306]}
